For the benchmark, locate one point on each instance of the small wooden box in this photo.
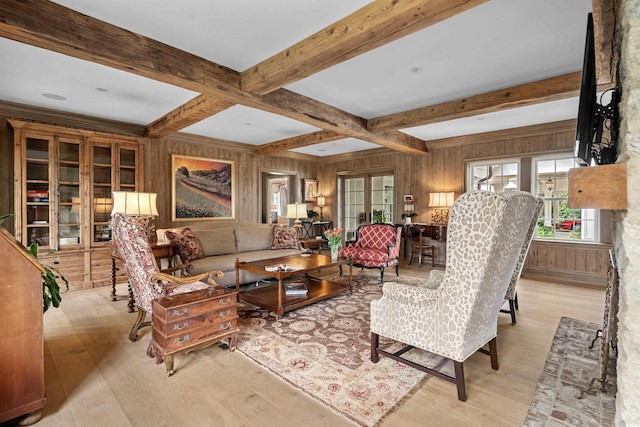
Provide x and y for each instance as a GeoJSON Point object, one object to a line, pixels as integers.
{"type": "Point", "coordinates": [192, 320]}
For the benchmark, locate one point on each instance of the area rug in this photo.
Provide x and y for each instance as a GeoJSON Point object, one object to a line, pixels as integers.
{"type": "Point", "coordinates": [324, 350]}
{"type": "Point", "coordinates": [570, 367]}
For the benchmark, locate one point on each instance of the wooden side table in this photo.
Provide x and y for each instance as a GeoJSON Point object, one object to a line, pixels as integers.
{"type": "Point", "coordinates": [186, 322]}
{"type": "Point", "coordinates": [312, 243]}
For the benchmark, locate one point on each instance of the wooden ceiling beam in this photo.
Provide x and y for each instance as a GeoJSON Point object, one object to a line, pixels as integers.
{"type": "Point", "coordinates": [199, 108]}
{"type": "Point", "coordinates": [50, 26]}
{"type": "Point", "coordinates": [299, 142]}
{"type": "Point", "coordinates": [604, 28]}
{"type": "Point", "coordinates": [552, 89]}
{"type": "Point", "coordinates": [372, 26]}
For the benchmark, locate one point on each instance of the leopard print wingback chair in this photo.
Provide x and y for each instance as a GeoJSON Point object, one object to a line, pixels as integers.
{"type": "Point", "coordinates": [511, 295]}
{"type": "Point", "coordinates": [145, 279]}
{"type": "Point", "coordinates": [375, 246]}
{"type": "Point", "coordinates": [456, 313]}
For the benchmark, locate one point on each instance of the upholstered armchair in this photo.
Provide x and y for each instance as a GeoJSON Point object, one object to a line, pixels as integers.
{"type": "Point", "coordinates": [145, 279]}
{"type": "Point", "coordinates": [456, 313]}
{"type": "Point", "coordinates": [375, 246]}
{"type": "Point", "coordinates": [512, 296]}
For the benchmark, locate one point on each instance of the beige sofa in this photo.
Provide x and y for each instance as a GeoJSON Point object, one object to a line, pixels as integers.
{"type": "Point", "coordinates": [222, 243]}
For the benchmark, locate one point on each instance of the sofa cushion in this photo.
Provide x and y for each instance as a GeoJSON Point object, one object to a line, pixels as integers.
{"type": "Point", "coordinates": [219, 241]}
{"type": "Point", "coordinates": [188, 245]}
{"type": "Point", "coordinates": [253, 238]}
{"type": "Point", "coordinates": [285, 238]}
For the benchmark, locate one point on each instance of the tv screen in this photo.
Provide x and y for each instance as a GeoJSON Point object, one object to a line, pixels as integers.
{"type": "Point", "coordinates": [587, 116]}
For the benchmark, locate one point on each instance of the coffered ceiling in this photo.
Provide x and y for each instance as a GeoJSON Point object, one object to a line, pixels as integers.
{"type": "Point", "coordinates": [318, 77]}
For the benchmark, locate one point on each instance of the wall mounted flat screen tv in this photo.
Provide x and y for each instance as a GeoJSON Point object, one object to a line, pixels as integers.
{"type": "Point", "coordinates": [585, 129]}
{"type": "Point", "coordinates": [597, 127]}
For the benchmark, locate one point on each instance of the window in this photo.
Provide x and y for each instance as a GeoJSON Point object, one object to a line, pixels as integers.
{"type": "Point", "coordinates": [494, 176]}
{"type": "Point", "coordinates": [557, 220]}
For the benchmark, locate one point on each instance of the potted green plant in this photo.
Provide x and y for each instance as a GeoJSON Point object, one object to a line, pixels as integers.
{"type": "Point", "coordinates": [407, 217]}
{"type": "Point", "coordinates": [50, 287]}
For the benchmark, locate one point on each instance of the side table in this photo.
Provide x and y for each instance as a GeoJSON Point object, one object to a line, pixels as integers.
{"type": "Point", "coordinates": [190, 321]}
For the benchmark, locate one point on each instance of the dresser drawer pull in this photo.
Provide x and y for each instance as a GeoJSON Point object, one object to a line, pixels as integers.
{"type": "Point", "coordinates": [224, 313]}
{"type": "Point", "coordinates": [182, 340]}
{"type": "Point", "coordinates": [226, 300]}
{"type": "Point", "coordinates": [225, 326]}
{"type": "Point", "coordinates": [182, 312]}
{"type": "Point", "coordinates": [177, 327]}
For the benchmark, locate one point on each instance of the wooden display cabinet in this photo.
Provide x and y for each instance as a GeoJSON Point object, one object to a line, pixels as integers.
{"type": "Point", "coordinates": [64, 179]}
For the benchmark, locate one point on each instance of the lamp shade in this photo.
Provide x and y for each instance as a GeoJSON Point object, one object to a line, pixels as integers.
{"type": "Point", "coordinates": [320, 201]}
{"type": "Point", "coordinates": [440, 200]}
{"type": "Point", "coordinates": [134, 203]}
{"type": "Point", "coordinates": [297, 210]}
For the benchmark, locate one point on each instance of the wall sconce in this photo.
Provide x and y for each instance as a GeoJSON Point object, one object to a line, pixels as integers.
{"type": "Point", "coordinates": [140, 205]}
{"type": "Point", "coordinates": [321, 201]}
{"type": "Point", "coordinates": [549, 185]}
{"type": "Point", "coordinates": [443, 201]}
{"type": "Point", "coordinates": [297, 211]}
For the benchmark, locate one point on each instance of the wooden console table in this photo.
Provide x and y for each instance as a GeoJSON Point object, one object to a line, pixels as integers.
{"type": "Point", "coordinates": [165, 251]}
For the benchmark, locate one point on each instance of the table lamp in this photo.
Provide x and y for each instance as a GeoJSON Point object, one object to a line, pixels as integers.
{"type": "Point", "coordinates": [142, 206]}
{"type": "Point", "coordinates": [297, 211]}
{"type": "Point", "coordinates": [321, 201]}
{"type": "Point", "coordinates": [442, 202]}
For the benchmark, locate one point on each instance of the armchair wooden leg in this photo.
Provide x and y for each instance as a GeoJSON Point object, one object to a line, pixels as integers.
{"type": "Point", "coordinates": [512, 310]}
{"type": "Point", "coordinates": [397, 272]}
{"type": "Point", "coordinates": [140, 323]}
{"type": "Point", "coordinates": [515, 299]}
{"type": "Point", "coordinates": [381, 274]}
{"type": "Point", "coordinates": [493, 353]}
{"type": "Point", "coordinates": [462, 389]}
{"type": "Point", "coordinates": [340, 267]}
{"type": "Point", "coordinates": [375, 341]}
{"type": "Point", "coordinates": [433, 256]}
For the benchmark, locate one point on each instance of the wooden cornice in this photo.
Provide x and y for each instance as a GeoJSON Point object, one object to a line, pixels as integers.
{"type": "Point", "coordinates": [551, 89]}
{"type": "Point", "coordinates": [372, 26]}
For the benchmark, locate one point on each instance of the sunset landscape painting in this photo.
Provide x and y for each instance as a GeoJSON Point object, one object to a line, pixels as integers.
{"type": "Point", "coordinates": [202, 188]}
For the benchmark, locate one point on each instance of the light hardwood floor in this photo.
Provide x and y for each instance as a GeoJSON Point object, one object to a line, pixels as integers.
{"type": "Point", "coordinates": [95, 376]}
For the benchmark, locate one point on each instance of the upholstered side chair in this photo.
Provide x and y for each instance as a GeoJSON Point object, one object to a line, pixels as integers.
{"type": "Point", "coordinates": [145, 279]}
{"type": "Point", "coordinates": [375, 246]}
{"type": "Point", "coordinates": [512, 296]}
{"type": "Point", "coordinates": [456, 313]}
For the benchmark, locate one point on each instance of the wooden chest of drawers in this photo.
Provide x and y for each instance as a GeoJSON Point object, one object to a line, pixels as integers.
{"type": "Point", "coordinates": [186, 322]}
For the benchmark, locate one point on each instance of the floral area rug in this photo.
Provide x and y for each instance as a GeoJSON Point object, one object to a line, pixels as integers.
{"type": "Point", "coordinates": [569, 369]}
{"type": "Point", "coordinates": [324, 350]}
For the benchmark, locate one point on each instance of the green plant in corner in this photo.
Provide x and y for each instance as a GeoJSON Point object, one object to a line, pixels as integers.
{"type": "Point", "coordinates": [50, 288]}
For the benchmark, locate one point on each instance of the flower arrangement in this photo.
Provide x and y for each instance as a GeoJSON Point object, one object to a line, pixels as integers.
{"type": "Point", "coordinates": [334, 236]}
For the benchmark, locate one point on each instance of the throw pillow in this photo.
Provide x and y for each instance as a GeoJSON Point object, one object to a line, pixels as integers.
{"type": "Point", "coordinates": [285, 238]}
{"type": "Point", "coordinates": [188, 245]}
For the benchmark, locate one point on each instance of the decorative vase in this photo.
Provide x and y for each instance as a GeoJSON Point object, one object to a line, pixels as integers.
{"type": "Point", "coordinates": [334, 252]}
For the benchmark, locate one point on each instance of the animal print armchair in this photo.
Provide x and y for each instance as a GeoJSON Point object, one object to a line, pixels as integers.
{"type": "Point", "coordinates": [512, 296]}
{"type": "Point", "coordinates": [456, 313]}
{"type": "Point", "coordinates": [145, 279]}
{"type": "Point", "coordinates": [376, 246]}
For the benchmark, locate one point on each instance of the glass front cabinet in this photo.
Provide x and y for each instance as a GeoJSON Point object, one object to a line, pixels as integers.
{"type": "Point", "coordinates": [64, 179]}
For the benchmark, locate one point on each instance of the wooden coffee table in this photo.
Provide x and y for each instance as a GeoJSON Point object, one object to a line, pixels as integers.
{"type": "Point", "coordinates": [273, 297]}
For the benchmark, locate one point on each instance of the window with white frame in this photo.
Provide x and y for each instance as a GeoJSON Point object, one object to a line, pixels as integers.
{"type": "Point", "coordinates": [496, 176]}
{"type": "Point", "coordinates": [557, 221]}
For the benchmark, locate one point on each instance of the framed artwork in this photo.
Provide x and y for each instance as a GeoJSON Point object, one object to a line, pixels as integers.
{"type": "Point", "coordinates": [408, 198]}
{"type": "Point", "coordinates": [201, 188]}
{"type": "Point", "coordinates": [310, 190]}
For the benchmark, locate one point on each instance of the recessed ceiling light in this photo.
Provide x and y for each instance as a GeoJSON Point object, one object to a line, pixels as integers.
{"type": "Point", "coordinates": [321, 150]}
{"type": "Point", "coordinates": [415, 70]}
{"type": "Point", "coordinates": [480, 118]}
{"type": "Point", "coordinates": [101, 89]}
{"type": "Point", "coordinates": [54, 96]}
{"type": "Point", "coordinates": [247, 123]}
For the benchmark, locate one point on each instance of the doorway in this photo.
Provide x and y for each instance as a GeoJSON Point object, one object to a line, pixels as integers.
{"type": "Point", "coordinates": [278, 190]}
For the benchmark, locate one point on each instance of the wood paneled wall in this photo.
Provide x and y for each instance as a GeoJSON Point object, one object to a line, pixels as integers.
{"type": "Point", "coordinates": [441, 169]}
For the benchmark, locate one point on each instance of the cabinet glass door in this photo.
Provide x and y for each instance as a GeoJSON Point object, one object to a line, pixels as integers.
{"type": "Point", "coordinates": [69, 193]}
{"type": "Point", "coordinates": [38, 210]}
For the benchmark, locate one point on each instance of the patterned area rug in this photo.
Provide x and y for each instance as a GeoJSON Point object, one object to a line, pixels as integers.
{"type": "Point", "coordinates": [570, 367]}
{"type": "Point", "coordinates": [324, 350]}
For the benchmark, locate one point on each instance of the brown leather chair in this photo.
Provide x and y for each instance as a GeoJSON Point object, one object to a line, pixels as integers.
{"type": "Point", "coordinates": [416, 234]}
